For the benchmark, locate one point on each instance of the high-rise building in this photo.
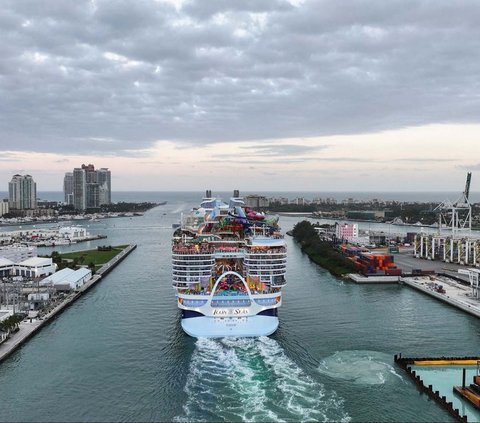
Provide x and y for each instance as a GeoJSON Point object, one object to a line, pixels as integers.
{"type": "Point", "coordinates": [22, 192]}
{"type": "Point", "coordinates": [104, 180]}
{"type": "Point", "coordinates": [4, 207]}
{"type": "Point", "coordinates": [79, 189]}
{"type": "Point", "coordinates": [91, 188]}
{"type": "Point", "coordinates": [68, 188]}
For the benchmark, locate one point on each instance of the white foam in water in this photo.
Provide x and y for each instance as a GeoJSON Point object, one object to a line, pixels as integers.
{"type": "Point", "coordinates": [360, 367]}
{"type": "Point", "coordinates": [252, 379]}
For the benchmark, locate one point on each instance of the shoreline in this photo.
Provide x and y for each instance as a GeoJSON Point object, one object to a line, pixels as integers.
{"type": "Point", "coordinates": [29, 329]}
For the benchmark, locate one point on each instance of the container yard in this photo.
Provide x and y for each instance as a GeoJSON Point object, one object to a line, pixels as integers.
{"type": "Point", "coordinates": [372, 263]}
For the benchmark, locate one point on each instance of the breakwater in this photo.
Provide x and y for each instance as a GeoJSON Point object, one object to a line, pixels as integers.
{"type": "Point", "coordinates": [28, 329]}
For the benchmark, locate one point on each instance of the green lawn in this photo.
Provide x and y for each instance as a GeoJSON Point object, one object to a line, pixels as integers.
{"type": "Point", "coordinates": [94, 256]}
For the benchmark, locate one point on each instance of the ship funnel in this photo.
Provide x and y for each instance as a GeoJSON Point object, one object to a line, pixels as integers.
{"type": "Point", "coordinates": [208, 193]}
{"type": "Point", "coordinates": [236, 193]}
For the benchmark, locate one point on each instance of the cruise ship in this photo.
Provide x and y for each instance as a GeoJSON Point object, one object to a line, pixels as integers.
{"type": "Point", "coordinates": [229, 263]}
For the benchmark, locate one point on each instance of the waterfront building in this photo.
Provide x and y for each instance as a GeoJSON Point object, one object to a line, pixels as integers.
{"type": "Point", "coordinates": [67, 279]}
{"type": "Point", "coordinates": [73, 232]}
{"type": "Point", "coordinates": [22, 192]}
{"type": "Point", "coordinates": [35, 267]}
{"type": "Point", "coordinates": [346, 231]}
{"type": "Point", "coordinates": [17, 253]}
{"type": "Point", "coordinates": [56, 277]}
{"type": "Point", "coordinates": [91, 188]}
{"type": "Point", "coordinates": [4, 209]}
{"type": "Point", "coordinates": [6, 267]}
{"type": "Point", "coordinates": [68, 188]}
{"type": "Point", "coordinates": [78, 278]}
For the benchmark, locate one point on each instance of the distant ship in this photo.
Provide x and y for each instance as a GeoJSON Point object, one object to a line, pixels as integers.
{"type": "Point", "coordinates": [229, 265]}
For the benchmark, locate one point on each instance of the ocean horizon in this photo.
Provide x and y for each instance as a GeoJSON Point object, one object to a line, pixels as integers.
{"type": "Point", "coordinates": [157, 196]}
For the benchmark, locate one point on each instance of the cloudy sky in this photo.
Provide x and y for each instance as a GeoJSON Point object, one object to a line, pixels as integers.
{"type": "Point", "coordinates": [319, 95]}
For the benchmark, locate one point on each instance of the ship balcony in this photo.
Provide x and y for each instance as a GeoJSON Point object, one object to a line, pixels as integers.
{"type": "Point", "coordinates": [192, 262]}
{"type": "Point", "coordinates": [190, 258]}
{"type": "Point", "coordinates": [267, 259]}
{"type": "Point", "coordinates": [191, 279]}
{"type": "Point", "coordinates": [264, 256]}
{"type": "Point", "coordinates": [191, 251]}
{"type": "Point", "coordinates": [260, 262]}
{"type": "Point", "coordinates": [265, 264]}
{"type": "Point", "coordinates": [254, 273]}
{"type": "Point", "coordinates": [278, 281]}
{"type": "Point", "coordinates": [266, 267]}
{"type": "Point", "coordinates": [189, 270]}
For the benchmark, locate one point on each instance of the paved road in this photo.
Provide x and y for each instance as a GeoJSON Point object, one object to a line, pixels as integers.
{"type": "Point", "coordinates": [406, 261]}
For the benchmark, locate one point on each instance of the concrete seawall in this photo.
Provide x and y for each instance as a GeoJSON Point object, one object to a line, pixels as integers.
{"type": "Point", "coordinates": [453, 297]}
{"type": "Point", "coordinates": [27, 329]}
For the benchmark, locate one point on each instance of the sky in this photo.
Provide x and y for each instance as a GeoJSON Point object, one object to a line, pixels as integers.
{"type": "Point", "coordinates": [310, 95]}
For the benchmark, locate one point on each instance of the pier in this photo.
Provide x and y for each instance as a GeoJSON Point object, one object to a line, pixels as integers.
{"type": "Point", "coordinates": [451, 292]}
{"type": "Point", "coordinates": [451, 289]}
{"type": "Point", "coordinates": [28, 329]}
{"type": "Point", "coordinates": [407, 363]}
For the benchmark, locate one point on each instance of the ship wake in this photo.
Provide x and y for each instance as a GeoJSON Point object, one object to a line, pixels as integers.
{"type": "Point", "coordinates": [252, 379]}
{"type": "Point", "coordinates": [359, 367]}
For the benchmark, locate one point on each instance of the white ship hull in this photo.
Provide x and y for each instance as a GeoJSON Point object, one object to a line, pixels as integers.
{"type": "Point", "coordinates": [220, 327]}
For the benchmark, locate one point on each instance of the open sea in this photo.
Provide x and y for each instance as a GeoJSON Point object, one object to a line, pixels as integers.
{"type": "Point", "coordinates": [119, 354]}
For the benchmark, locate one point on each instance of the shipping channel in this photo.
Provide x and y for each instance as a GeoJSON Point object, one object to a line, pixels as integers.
{"type": "Point", "coordinates": [118, 353]}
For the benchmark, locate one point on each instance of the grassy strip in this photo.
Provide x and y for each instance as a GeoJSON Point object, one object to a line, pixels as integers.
{"type": "Point", "coordinates": [321, 252]}
{"type": "Point", "coordinates": [92, 258]}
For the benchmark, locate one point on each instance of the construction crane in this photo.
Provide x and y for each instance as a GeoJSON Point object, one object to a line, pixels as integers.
{"type": "Point", "coordinates": [457, 216]}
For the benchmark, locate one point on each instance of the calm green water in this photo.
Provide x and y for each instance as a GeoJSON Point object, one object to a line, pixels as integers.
{"type": "Point", "coordinates": [118, 354]}
{"type": "Point", "coordinates": [442, 378]}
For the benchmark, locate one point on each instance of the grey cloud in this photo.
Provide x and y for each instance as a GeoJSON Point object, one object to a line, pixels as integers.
{"type": "Point", "coordinates": [281, 150]}
{"type": "Point", "coordinates": [426, 160]}
{"type": "Point", "coordinates": [229, 70]}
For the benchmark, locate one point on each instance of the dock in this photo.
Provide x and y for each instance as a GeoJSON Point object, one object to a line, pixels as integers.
{"type": "Point", "coordinates": [450, 289]}
{"type": "Point", "coordinates": [406, 364]}
{"type": "Point", "coordinates": [28, 329]}
{"type": "Point", "coordinates": [455, 294]}
{"type": "Point", "coordinates": [373, 279]}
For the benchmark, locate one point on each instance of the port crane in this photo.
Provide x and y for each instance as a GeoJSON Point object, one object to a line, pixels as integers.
{"type": "Point", "coordinates": [474, 277]}
{"type": "Point", "coordinates": [457, 216]}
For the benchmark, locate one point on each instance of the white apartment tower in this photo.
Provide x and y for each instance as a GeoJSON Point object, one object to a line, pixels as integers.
{"type": "Point", "coordinates": [68, 188]}
{"type": "Point", "coordinates": [79, 189]}
{"type": "Point", "coordinates": [22, 193]}
{"type": "Point", "coordinates": [91, 188]}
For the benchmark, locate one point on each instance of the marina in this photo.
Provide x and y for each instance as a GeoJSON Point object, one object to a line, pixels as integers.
{"type": "Point", "coordinates": [48, 237]}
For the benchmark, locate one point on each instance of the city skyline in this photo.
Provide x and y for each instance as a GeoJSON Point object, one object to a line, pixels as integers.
{"type": "Point", "coordinates": [282, 95]}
